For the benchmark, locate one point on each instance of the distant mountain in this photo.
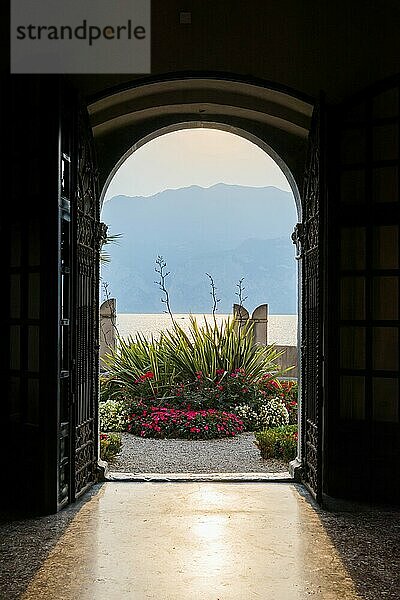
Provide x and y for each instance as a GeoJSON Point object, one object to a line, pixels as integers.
{"type": "Point", "coordinates": [227, 231]}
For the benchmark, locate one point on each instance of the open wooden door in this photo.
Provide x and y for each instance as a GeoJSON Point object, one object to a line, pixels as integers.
{"type": "Point", "coordinates": [364, 414]}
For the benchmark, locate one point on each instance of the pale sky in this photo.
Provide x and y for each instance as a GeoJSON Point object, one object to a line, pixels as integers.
{"type": "Point", "coordinates": [201, 157]}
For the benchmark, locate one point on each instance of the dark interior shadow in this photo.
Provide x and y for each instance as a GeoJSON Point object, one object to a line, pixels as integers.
{"type": "Point", "coordinates": [367, 539]}
{"type": "Point", "coordinates": [25, 543]}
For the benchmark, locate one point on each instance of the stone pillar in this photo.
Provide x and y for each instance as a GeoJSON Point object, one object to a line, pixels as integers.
{"type": "Point", "coordinates": [241, 315]}
{"type": "Point", "coordinates": [260, 320]}
{"type": "Point", "coordinates": [108, 314]}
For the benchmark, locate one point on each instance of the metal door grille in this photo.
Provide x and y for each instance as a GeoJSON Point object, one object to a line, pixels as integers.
{"type": "Point", "coordinates": [87, 234]}
{"type": "Point", "coordinates": [312, 312]}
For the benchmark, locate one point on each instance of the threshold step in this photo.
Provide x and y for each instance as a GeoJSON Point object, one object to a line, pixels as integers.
{"type": "Point", "coordinates": [283, 476]}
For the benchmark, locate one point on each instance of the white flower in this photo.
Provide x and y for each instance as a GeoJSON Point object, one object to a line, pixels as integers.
{"type": "Point", "coordinates": [112, 416]}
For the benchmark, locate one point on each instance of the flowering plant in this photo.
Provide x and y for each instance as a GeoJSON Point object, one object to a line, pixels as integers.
{"type": "Point", "coordinates": [167, 422]}
{"type": "Point", "coordinates": [285, 390]}
{"type": "Point", "coordinates": [112, 416]}
{"type": "Point", "coordinates": [267, 413]}
{"type": "Point", "coordinates": [259, 404]}
{"type": "Point", "coordinates": [274, 413]}
{"type": "Point", "coordinates": [223, 391]}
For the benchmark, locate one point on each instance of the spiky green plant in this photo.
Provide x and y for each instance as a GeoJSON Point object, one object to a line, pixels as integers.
{"type": "Point", "coordinates": [178, 356]}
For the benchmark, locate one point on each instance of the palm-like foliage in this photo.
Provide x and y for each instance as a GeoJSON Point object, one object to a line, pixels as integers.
{"type": "Point", "coordinates": [109, 239]}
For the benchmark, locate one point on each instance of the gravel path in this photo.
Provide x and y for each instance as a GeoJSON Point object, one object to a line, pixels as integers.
{"type": "Point", "coordinates": [226, 455]}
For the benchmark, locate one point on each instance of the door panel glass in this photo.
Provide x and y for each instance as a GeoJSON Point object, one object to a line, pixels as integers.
{"type": "Point", "coordinates": [385, 399]}
{"type": "Point", "coordinates": [352, 397]}
{"type": "Point", "coordinates": [385, 142]}
{"type": "Point", "coordinates": [353, 146]}
{"type": "Point", "coordinates": [32, 405]}
{"type": "Point", "coordinates": [386, 104]}
{"type": "Point", "coordinates": [386, 247]}
{"type": "Point", "coordinates": [385, 184]}
{"type": "Point", "coordinates": [15, 296]}
{"type": "Point", "coordinates": [34, 296]}
{"type": "Point", "coordinates": [15, 246]}
{"type": "Point", "coordinates": [352, 347]}
{"type": "Point", "coordinates": [352, 248]}
{"type": "Point", "coordinates": [385, 348]}
{"type": "Point", "coordinates": [33, 348]}
{"type": "Point", "coordinates": [15, 347]}
{"type": "Point", "coordinates": [34, 243]}
{"type": "Point", "coordinates": [385, 299]}
{"type": "Point", "coordinates": [352, 298]}
{"type": "Point", "coordinates": [352, 188]}
{"type": "Point", "coordinates": [14, 397]}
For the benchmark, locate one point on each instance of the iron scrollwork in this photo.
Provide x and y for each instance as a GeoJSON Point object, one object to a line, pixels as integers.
{"type": "Point", "coordinates": [297, 239]}
{"type": "Point", "coordinates": [89, 235]}
{"type": "Point", "coordinates": [307, 237]}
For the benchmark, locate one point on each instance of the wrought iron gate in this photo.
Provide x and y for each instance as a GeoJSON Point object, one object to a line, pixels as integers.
{"type": "Point", "coordinates": [86, 239]}
{"type": "Point", "coordinates": [81, 233]}
{"type": "Point", "coordinates": [310, 240]}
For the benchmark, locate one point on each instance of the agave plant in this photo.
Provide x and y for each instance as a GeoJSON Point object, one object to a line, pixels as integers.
{"type": "Point", "coordinates": [178, 356]}
{"type": "Point", "coordinates": [136, 355]}
{"type": "Point", "coordinates": [213, 347]}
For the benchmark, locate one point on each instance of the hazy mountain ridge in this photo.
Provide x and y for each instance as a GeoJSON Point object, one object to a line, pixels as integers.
{"type": "Point", "coordinates": [228, 231]}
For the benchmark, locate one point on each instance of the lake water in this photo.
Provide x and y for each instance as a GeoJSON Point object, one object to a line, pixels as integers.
{"type": "Point", "coordinates": [282, 329]}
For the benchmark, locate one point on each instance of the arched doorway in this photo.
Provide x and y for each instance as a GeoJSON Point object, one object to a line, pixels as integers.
{"type": "Point", "coordinates": [65, 466]}
{"type": "Point", "coordinates": [279, 123]}
{"type": "Point", "coordinates": [228, 230]}
{"type": "Point", "coordinates": [332, 383]}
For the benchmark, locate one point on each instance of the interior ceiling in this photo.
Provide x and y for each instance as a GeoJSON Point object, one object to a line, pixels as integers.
{"type": "Point", "coordinates": [201, 98]}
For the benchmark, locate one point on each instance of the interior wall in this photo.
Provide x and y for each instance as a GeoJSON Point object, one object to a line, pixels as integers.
{"type": "Point", "coordinates": [341, 47]}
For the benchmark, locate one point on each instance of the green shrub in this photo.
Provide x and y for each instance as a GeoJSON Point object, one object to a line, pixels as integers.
{"type": "Point", "coordinates": [110, 445]}
{"type": "Point", "coordinates": [278, 442]}
{"type": "Point", "coordinates": [112, 415]}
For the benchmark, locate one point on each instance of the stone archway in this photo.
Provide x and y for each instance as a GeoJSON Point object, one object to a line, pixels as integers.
{"type": "Point", "coordinates": [279, 124]}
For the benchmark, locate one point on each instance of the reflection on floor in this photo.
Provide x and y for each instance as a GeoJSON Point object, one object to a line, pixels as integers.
{"type": "Point", "coordinates": [200, 541]}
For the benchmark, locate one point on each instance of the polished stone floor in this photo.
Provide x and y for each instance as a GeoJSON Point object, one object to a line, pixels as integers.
{"type": "Point", "coordinates": [194, 541]}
